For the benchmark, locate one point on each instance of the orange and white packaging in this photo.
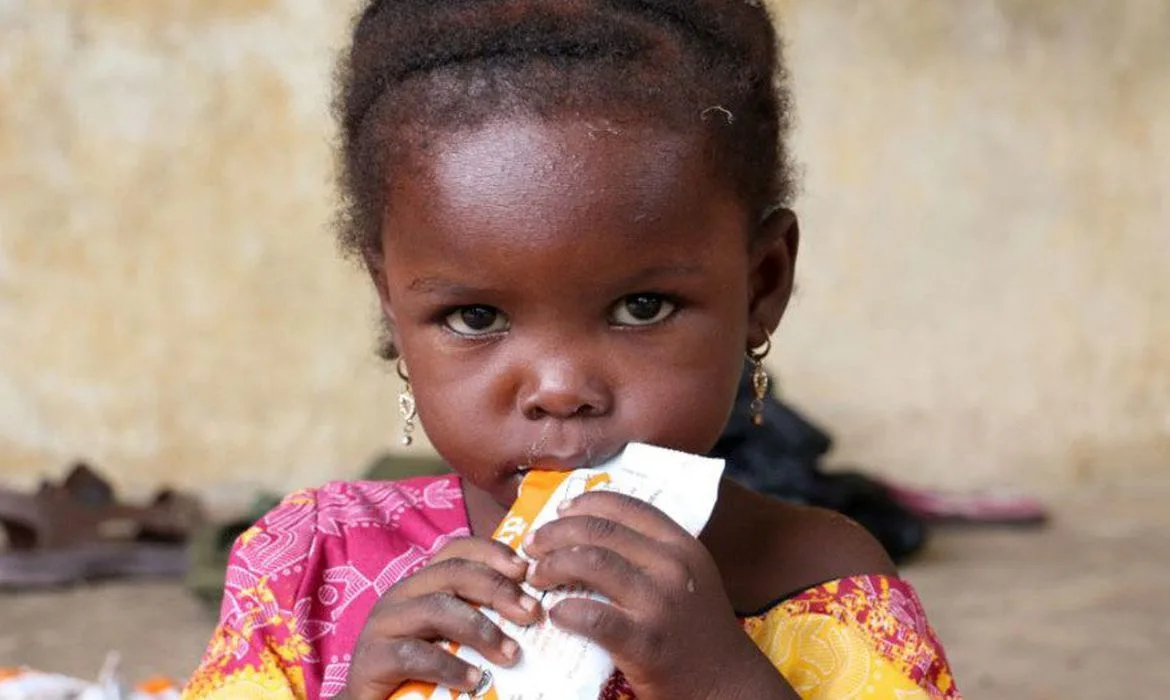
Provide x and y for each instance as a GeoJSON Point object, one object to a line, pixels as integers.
{"type": "Point", "coordinates": [554, 664]}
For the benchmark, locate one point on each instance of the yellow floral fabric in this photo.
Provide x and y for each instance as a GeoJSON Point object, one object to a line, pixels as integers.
{"type": "Point", "coordinates": [864, 637]}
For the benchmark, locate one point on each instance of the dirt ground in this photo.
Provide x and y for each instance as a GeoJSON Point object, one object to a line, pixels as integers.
{"type": "Point", "coordinates": [1074, 611]}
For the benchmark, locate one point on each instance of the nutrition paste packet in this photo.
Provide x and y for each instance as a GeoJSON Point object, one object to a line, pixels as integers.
{"type": "Point", "coordinates": [557, 665]}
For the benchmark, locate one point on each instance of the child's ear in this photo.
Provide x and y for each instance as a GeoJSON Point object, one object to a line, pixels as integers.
{"type": "Point", "coordinates": [773, 261]}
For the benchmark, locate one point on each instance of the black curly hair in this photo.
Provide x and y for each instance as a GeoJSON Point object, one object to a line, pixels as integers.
{"type": "Point", "coordinates": [417, 68]}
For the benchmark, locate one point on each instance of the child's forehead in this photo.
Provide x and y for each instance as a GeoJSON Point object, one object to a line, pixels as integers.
{"type": "Point", "coordinates": [529, 206]}
{"type": "Point", "coordinates": [574, 163]}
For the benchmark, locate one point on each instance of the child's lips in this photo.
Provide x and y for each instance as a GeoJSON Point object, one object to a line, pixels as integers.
{"type": "Point", "coordinates": [568, 460]}
{"type": "Point", "coordinates": [557, 464]}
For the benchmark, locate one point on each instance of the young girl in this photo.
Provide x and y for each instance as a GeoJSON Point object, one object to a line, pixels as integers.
{"type": "Point", "coordinates": [573, 212]}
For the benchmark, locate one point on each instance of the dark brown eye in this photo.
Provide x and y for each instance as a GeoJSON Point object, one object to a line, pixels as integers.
{"type": "Point", "coordinates": [477, 320]}
{"type": "Point", "coordinates": [641, 310]}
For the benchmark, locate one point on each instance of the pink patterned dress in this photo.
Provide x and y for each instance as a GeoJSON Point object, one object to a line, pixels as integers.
{"type": "Point", "coordinates": [301, 583]}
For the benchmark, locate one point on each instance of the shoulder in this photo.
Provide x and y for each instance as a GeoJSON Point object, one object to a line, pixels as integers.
{"type": "Point", "coordinates": [771, 550]}
{"type": "Point", "coordinates": [823, 545]}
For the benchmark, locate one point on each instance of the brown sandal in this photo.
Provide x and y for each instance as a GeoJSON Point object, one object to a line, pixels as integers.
{"type": "Point", "coordinates": [76, 531]}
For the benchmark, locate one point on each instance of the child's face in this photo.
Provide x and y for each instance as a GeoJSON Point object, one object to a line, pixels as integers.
{"type": "Point", "coordinates": [560, 289]}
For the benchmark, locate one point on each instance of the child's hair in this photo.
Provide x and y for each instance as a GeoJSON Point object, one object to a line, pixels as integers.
{"type": "Point", "coordinates": [418, 68]}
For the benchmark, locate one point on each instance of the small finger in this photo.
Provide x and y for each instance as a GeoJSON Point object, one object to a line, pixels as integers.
{"type": "Point", "coordinates": [477, 583]}
{"type": "Point", "coordinates": [496, 555]}
{"type": "Point", "coordinates": [609, 626]}
{"type": "Point", "coordinates": [576, 530]}
{"type": "Point", "coordinates": [637, 515]}
{"type": "Point", "coordinates": [596, 569]}
{"type": "Point", "coordinates": [389, 663]}
{"type": "Point", "coordinates": [444, 616]}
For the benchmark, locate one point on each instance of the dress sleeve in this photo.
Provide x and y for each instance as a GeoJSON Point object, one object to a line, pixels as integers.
{"type": "Point", "coordinates": [258, 650]}
{"type": "Point", "coordinates": [863, 637]}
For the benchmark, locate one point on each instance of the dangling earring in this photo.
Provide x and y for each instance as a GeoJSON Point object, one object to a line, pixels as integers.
{"type": "Point", "coordinates": [759, 380]}
{"type": "Point", "coordinates": [406, 405]}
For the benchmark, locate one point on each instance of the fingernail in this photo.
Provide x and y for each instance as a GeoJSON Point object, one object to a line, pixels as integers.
{"type": "Point", "coordinates": [565, 505]}
{"type": "Point", "coordinates": [518, 560]}
{"type": "Point", "coordinates": [528, 538]}
{"type": "Point", "coordinates": [510, 649]}
{"type": "Point", "coordinates": [474, 676]}
{"type": "Point", "coordinates": [529, 603]}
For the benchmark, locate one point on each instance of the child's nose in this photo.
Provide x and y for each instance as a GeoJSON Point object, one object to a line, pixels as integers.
{"type": "Point", "coordinates": [562, 390]}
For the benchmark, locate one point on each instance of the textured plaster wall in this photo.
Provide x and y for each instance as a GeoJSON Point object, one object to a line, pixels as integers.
{"type": "Point", "coordinates": [986, 289]}
{"type": "Point", "coordinates": [985, 283]}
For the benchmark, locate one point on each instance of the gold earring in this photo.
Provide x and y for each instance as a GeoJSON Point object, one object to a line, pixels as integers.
{"type": "Point", "coordinates": [406, 405]}
{"type": "Point", "coordinates": [759, 380]}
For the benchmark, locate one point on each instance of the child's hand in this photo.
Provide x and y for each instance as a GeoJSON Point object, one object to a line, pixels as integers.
{"type": "Point", "coordinates": [437, 602]}
{"type": "Point", "coordinates": [669, 626]}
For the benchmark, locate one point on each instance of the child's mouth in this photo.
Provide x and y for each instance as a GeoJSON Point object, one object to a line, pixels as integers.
{"type": "Point", "coordinates": [569, 461]}
{"type": "Point", "coordinates": [543, 464]}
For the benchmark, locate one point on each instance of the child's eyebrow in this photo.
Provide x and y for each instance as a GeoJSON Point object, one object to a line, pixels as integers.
{"type": "Point", "coordinates": [435, 285]}
{"type": "Point", "coordinates": [442, 285]}
{"type": "Point", "coordinates": [657, 271]}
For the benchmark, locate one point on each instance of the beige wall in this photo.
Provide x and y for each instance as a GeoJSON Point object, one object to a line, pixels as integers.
{"type": "Point", "coordinates": [985, 290]}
